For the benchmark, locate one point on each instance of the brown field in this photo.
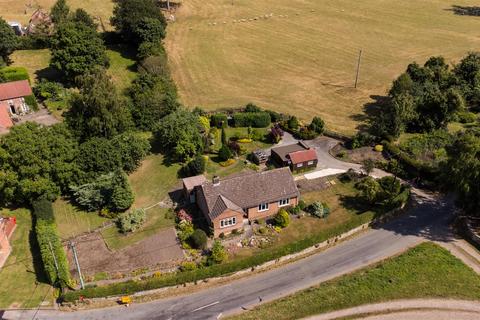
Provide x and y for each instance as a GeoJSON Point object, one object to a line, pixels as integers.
{"type": "Point", "coordinates": [305, 63]}
{"type": "Point", "coordinates": [21, 10]}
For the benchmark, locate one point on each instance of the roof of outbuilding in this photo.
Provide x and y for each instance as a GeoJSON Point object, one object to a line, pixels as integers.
{"type": "Point", "coordinates": [15, 89]}
{"type": "Point", "coordinates": [5, 120]}
{"type": "Point", "coordinates": [283, 151]}
{"type": "Point", "coordinates": [303, 156]}
{"type": "Point", "coordinates": [248, 190]}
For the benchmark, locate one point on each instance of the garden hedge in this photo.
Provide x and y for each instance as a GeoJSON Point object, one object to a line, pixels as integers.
{"type": "Point", "coordinates": [177, 278]}
{"type": "Point", "coordinates": [15, 73]}
{"type": "Point", "coordinates": [252, 119]}
{"type": "Point", "coordinates": [219, 120]}
{"type": "Point", "coordinates": [51, 248]}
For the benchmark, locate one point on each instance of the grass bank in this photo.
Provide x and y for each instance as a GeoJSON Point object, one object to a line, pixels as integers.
{"type": "Point", "coordinates": [424, 271]}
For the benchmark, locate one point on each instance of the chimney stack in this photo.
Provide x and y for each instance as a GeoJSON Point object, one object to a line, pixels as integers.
{"type": "Point", "coordinates": [216, 180]}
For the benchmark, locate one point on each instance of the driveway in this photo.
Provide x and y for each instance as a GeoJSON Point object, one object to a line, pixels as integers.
{"type": "Point", "coordinates": [426, 221]}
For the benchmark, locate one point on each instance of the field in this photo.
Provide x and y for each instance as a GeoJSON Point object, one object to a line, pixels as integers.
{"type": "Point", "coordinates": [302, 60]}
{"type": "Point", "coordinates": [12, 10]}
{"type": "Point", "coordinates": [402, 277]}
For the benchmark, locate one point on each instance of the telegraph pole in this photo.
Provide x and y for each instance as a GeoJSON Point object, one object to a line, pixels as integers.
{"type": "Point", "coordinates": [72, 245]}
{"type": "Point", "coordinates": [358, 67]}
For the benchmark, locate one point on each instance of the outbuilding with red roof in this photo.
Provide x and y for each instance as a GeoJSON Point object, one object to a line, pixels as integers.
{"type": "Point", "coordinates": [12, 101]}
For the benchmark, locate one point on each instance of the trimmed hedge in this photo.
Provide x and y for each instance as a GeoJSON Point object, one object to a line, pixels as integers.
{"type": "Point", "coordinates": [219, 120]}
{"type": "Point", "coordinates": [252, 119]}
{"type": "Point", "coordinates": [130, 287]}
{"type": "Point", "coordinates": [51, 248]}
{"type": "Point", "coordinates": [15, 73]}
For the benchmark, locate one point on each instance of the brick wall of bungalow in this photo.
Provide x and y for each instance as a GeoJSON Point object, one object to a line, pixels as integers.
{"type": "Point", "coordinates": [227, 226]}
{"type": "Point", "coordinates": [255, 213]}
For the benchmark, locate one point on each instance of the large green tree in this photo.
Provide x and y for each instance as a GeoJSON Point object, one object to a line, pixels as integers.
{"type": "Point", "coordinates": [97, 111]}
{"type": "Point", "coordinates": [36, 162]}
{"type": "Point", "coordinates": [8, 41]}
{"type": "Point", "coordinates": [179, 133]}
{"type": "Point", "coordinates": [59, 12]}
{"type": "Point", "coordinates": [133, 17]}
{"type": "Point", "coordinates": [77, 49]}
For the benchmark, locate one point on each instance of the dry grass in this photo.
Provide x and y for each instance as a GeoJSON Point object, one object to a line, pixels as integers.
{"type": "Point", "coordinates": [305, 64]}
{"type": "Point", "coordinates": [18, 10]}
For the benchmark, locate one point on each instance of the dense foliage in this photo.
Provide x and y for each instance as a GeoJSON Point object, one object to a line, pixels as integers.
{"type": "Point", "coordinates": [462, 171]}
{"type": "Point", "coordinates": [97, 110]}
{"type": "Point", "coordinates": [282, 219]}
{"type": "Point", "coordinates": [199, 239]}
{"type": "Point", "coordinates": [251, 119]}
{"type": "Point", "coordinates": [36, 162]}
{"type": "Point", "coordinates": [77, 49]}
{"type": "Point", "coordinates": [53, 256]}
{"type": "Point", "coordinates": [426, 98]}
{"type": "Point", "coordinates": [8, 41]}
{"type": "Point", "coordinates": [179, 134]}
{"type": "Point", "coordinates": [132, 220]}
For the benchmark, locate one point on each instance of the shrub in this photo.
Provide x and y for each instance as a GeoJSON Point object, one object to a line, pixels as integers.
{"type": "Point", "coordinates": [199, 239]}
{"type": "Point", "coordinates": [282, 219]}
{"type": "Point", "coordinates": [379, 148]}
{"type": "Point", "coordinates": [251, 119]}
{"type": "Point", "coordinates": [131, 221]}
{"type": "Point", "coordinates": [48, 90]}
{"type": "Point", "coordinates": [182, 215]}
{"type": "Point", "coordinates": [244, 140]}
{"type": "Point", "coordinates": [219, 120]}
{"type": "Point", "coordinates": [319, 209]}
{"type": "Point", "coordinates": [218, 253]}
{"type": "Point", "coordinates": [467, 117]}
{"type": "Point", "coordinates": [275, 116]}
{"type": "Point", "coordinates": [317, 125]}
{"type": "Point", "coordinates": [185, 230]}
{"type": "Point", "coordinates": [196, 166]}
{"type": "Point", "coordinates": [361, 139]}
{"type": "Point", "coordinates": [227, 163]}
{"type": "Point", "coordinates": [293, 123]}
{"type": "Point", "coordinates": [224, 153]}
{"type": "Point", "coordinates": [302, 205]}
{"type": "Point", "coordinates": [31, 102]}
{"type": "Point", "coordinates": [277, 133]}
{"type": "Point", "coordinates": [14, 74]}
{"type": "Point", "coordinates": [306, 134]}
{"type": "Point", "coordinates": [294, 210]}
{"type": "Point", "coordinates": [188, 266]}
{"type": "Point", "coordinates": [252, 108]}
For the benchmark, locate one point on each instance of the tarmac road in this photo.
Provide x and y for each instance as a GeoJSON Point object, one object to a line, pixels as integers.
{"type": "Point", "coordinates": [427, 220]}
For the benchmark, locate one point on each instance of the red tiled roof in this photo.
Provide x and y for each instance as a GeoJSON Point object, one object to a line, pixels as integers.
{"type": "Point", "coordinates": [14, 89]}
{"type": "Point", "coordinates": [303, 156]}
{"type": "Point", "coordinates": [5, 120]}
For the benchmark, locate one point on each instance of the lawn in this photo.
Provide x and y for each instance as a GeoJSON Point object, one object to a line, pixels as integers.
{"type": "Point", "coordinates": [20, 286]}
{"type": "Point", "coordinates": [151, 184]}
{"type": "Point", "coordinates": [72, 221]}
{"type": "Point", "coordinates": [21, 11]}
{"type": "Point", "coordinates": [424, 271]}
{"type": "Point", "coordinates": [122, 65]}
{"type": "Point", "coordinates": [341, 219]}
{"type": "Point", "coordinates": [305, 63]}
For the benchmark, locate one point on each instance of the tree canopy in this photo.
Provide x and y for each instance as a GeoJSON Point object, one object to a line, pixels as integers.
{"type": "Point", "coordinates": [59, 12]}
{"type": "Point", "coordinates": [77, 49]}
{"type": "Point", "coordinates": [97, 111]}
{"type": "Point", "coordinates": [8, 41]}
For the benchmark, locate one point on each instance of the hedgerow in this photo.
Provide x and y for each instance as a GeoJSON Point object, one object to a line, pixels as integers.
{"type": "Point", "coordinates": [252, 119]}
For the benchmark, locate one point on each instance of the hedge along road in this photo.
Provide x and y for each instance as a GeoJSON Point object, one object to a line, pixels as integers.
{"type": "Point", "coordinates": [427, 220]}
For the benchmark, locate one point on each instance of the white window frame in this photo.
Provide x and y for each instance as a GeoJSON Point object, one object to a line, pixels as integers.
{"type": "Point", "coordinates": [284, 202]}
{"type": "Point", "coordinates": [228, 222]}
{"type": "Point", "coordinates": [299, 165]}
{"type": "Point", "coordinates": [262, 207]}
{"type": "Point", "coordinates": [310, 162]}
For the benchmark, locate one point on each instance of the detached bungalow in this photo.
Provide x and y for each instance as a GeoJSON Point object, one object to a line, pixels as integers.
{"type": "Point", "coordinates": [229, 203]}
{"type": "Point", "coordinates": [298, 156]}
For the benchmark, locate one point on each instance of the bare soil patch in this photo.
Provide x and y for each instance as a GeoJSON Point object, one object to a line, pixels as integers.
{"type": "Point", "coordinates": [356, 155]}
{"type": "Point", "coordinates": [161, 250]}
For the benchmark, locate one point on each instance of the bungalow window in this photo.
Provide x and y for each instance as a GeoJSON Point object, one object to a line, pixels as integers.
{"type": "Point", "coordinates": [299, 165]}
{"type": "Point", "coordinates": [310, 162]}
{"type": "Point", "coordinates": [284, 202]}
{"type": "Point", "coordinates": [228, 222]}
{"type": "Point", "coordinates": [263, 207]}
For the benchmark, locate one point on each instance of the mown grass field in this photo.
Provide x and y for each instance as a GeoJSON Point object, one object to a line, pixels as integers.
{"type": "Point", "coordinates": [21, 11]}
{"type": "Point", "coordinates": [304, 64]}
{"type": "Point", "coordinates": [424, 271]}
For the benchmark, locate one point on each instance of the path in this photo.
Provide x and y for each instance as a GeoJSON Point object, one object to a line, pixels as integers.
{"type": "Point", "coordinates": [425, 221]}
{"type": "Point", "coordinates": [434, 309]}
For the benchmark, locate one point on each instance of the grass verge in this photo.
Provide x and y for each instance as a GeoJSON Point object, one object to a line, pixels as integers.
{"type": "Point", "coordinates": [424, 271]}
{"type": "Point", "coordinates": [22, 283]}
